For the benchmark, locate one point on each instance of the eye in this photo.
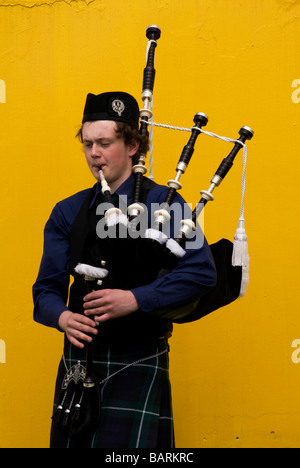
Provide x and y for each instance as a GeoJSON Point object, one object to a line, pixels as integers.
{"type": "Point", "coordinates": [104, 143]}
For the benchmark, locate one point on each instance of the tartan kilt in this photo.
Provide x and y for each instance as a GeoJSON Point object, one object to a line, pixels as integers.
{"type": "Point", "coordinates": [136, 404]}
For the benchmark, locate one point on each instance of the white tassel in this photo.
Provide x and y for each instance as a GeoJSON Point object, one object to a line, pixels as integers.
{"type": "Point", "coordinates": [240, 255]}
{"type": "Point", "coordinates": [245, 281]}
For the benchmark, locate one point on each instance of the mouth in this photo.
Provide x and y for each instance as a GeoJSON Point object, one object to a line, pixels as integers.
{"type": "Point", "coordinates": [98, 167]}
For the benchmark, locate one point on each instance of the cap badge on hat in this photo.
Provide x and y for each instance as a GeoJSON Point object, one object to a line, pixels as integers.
{"type": "Point", "coordinates": [118, 106]}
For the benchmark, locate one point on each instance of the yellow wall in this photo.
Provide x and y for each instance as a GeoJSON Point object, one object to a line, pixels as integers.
{"type": "Point", "coordinates": [235, 374]}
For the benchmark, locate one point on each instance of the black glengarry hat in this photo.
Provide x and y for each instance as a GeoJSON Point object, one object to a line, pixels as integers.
{"type": "Point", "coordinates": [117, 106]}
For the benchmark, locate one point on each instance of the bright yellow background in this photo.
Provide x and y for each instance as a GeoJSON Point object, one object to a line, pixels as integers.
{"type": "Point", "coordinates": [234, 381]}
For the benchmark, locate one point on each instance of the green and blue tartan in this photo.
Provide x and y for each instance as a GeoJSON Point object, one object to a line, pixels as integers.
{"type": "Point", "coordinates": [136, 405]}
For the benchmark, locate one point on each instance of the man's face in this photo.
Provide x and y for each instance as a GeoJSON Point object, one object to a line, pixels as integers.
{"type": "Point", "coordinates": [102, 147]}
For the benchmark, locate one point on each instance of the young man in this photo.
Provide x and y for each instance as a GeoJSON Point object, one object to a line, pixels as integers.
{"type": "Point", "coordinates": [122, 321]}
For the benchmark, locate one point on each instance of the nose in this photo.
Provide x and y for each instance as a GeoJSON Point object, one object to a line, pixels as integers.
{"type": "Point", "coordinates": [96, 150]}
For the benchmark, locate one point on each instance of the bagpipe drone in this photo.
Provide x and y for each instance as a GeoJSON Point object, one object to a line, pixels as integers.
{"type": "Point", "coordinates": [153, 254]}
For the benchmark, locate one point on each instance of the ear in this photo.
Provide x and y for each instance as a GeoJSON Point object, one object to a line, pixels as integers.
{"type": "Point", "coordinates": [133, 147]}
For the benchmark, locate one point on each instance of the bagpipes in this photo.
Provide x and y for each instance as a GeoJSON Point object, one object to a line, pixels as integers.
{"type": "Point", "coordinates": [153, 254]}
{"type": "Point", "coordinates": [154, 249]}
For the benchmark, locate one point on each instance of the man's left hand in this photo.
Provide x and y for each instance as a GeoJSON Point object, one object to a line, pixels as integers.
{"type": "Point", "coordinates": [107, 304]}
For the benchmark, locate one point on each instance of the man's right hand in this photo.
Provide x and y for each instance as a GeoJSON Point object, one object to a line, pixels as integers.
{"type": "Point", "coordinates": [77, 327]}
